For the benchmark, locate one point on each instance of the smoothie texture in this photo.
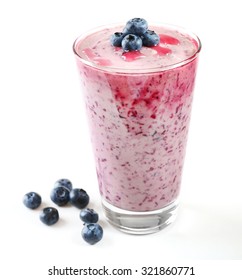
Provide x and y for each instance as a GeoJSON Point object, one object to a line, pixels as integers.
{"type": "Point", "coordinates": [138, 105]}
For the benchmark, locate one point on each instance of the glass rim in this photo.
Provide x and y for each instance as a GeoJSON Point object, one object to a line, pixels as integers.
{"type": "Point", "coordinates": [146, 70]}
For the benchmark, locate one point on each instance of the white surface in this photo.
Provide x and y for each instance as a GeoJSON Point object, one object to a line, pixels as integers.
{"type": "Point", "coordinates": [44, 137]}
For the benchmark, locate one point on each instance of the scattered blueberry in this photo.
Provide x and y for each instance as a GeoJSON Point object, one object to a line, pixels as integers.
{"type": "Point", "coordinates": [92, 233]}
{"type": "Point", "coordinates": [60, 195]}
{"type": "Point", "coordinates": [79, 198]}
{"type": "Point", "coordinates": [150, 38]}
{"type": "Point", "coordinates": [64, 183]}
{"type": "Point", "coordinates": [131, 42]}
{"type": "Point", "coordinates": [137, 26]}
{"type": "Point", "coordinates": [116, 39]}
{"type": "Point", "coordinates": [89, 216]}
{"type": "Point", "coordinates": [32, 200]}
{"type": "Point", "coordinates": [49, 216]}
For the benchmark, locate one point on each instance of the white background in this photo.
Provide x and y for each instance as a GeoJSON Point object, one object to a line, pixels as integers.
{"type": "Point", "coordinates": [44, 137]}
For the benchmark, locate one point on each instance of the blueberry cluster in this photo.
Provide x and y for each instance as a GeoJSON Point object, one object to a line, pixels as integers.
{"type": "Point", "coordinates": [64, 193]}
{"type": "Point", "coordinates": [135, 35]}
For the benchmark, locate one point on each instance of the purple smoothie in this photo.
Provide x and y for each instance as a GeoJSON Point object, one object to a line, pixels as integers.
{"type": "Point", "coordinates": [138, 105]}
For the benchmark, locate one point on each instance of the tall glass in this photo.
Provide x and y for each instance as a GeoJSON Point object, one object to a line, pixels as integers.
{"type": "Point", "coordinates": [138, 121]}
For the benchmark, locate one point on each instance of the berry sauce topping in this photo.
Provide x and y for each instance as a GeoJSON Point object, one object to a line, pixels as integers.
{"type": "Point", "coordinates": [131, 56]}
{"type": "Point", "coordinates": [166, 39]}
{"type": "Point", "coordinates": [161, 50]}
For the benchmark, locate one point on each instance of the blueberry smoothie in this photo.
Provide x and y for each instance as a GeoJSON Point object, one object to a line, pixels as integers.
{"type": "Point", "coordinates": [138, 90]}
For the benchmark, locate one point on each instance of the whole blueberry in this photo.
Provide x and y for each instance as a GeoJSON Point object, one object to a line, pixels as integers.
{"type": "Point", "coordinates": [32, 200]}
{"type": "Point", "coordinates": [150, 38]}
{"type": "Point", "coordinates": [63, 183]}
{"type": "Point", "coordinates": [131, 42]}
{"type": "Point", "coordinates": [60, 196]}
{"type": "Point", "coordinates": [49, 216]}
{"type": "Point", "coordinates": [79, 198]}
{"type": "Point", "coordinates": [92, 233]}
{"type": "Point", "coordinates": [116, 39]}
{"type": "Point", "coordinates": [89, 216]}
{"type": "Point", "coordinates": [137, 26]}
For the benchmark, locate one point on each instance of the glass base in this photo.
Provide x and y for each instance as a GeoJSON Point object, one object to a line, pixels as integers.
{"type": "Point", "coordinates": [140, 222]}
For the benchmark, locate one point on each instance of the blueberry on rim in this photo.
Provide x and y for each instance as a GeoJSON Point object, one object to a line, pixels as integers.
{"type": "Point", "coordinates": [116, 39]}
{"type": "Point", "coordinates": [150, 38]}
{"type": "Point", "coordinates": [131, 42]}
{"type": "Point", "coordinates": [137, 26]}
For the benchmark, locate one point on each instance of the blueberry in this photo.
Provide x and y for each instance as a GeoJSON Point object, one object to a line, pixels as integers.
{"type": "Point", "coordinates": [116, 39]}
{"type": "Point", "coordinates": [89, 216]}
{"type": "Point", "coordinates": [131, 42]}
{"type": "Point", "coordinates": [60, 196]}
{"type": "Point", "coordinates": [32, 200]}
{"type": "Point", "coordinates": [137, 26]}
{"type": "Point", "coordinates": [150, 38]}
{"type": "Point", "coordinates": [49, 216]}
{"type": "Point", "coordinates": [92, 233]}
{"type": "Point", "coordinates": [79, 198]}
{"type": "Point", "coordinates": [63, 183]}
